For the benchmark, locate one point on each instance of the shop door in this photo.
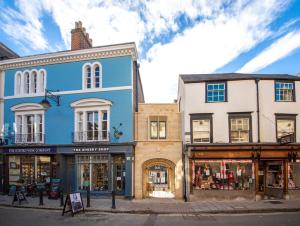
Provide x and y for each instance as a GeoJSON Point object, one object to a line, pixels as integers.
{"type": "Point", "coordinates": [119, 174]}
{"type": "Point", "coordinates": [274, 178]}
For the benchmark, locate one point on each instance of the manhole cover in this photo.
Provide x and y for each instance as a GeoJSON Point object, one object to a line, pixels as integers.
{"type": "Point", "coordinates": [276, 202]}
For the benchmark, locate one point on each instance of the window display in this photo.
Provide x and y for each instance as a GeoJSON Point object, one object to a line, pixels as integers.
{"type": "Point", "coordinates": [222, 175]}
{"type": "Point", "coordinates": [294, 175]}
{"type": "Point", "coordinates": [274, 174]}
{"type": "Point", "coordinates": [93, 172]}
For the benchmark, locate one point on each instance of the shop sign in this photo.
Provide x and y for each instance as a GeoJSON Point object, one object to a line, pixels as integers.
{"type": "Point", "coordinates": [32, 150]}
{"type": "Point", "coordinates": [90, 149]}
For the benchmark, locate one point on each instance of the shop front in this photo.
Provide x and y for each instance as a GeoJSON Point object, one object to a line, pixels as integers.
{"type": "Point", "coordinates": [1, 172]}
{"type": "Point", "coordinates": [26, 166]}
{"type": "Point", "coordinates": [99, 168]}
{"type": "Point", "coordinates": [244, 171]}
{"type": "Point", "coordinates": [159, 178]}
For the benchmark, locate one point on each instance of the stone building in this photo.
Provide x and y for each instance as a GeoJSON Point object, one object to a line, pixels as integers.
{"type": "Point", "coordinates": [158, 152]}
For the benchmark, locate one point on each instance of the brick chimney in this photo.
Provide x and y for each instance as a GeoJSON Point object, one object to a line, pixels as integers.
{"type": "Point", "coordinates": [79, 38]}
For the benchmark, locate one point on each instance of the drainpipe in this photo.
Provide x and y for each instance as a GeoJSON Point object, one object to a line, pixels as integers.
{"type": "Point", "coordinates": [257, 110]}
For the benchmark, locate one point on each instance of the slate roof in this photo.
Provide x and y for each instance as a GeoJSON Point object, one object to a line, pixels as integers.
{"type": "Point", "coordinates": [194, 78]}
{"type": "Point", "coordinates": [6, 53]}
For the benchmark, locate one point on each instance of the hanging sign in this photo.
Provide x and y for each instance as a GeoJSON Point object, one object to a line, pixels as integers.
{"type": "Point", "coordinates": [73, 204]}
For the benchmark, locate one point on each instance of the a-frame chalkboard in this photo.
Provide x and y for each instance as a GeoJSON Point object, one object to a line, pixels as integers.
{"type": "Point", "coordinates": [73, 204]}
{"type": "Point", "coordinates": [19, 196]}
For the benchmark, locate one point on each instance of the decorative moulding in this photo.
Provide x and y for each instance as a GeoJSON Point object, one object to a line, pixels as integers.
{"type": "Point", "coordinates": [71, 56]}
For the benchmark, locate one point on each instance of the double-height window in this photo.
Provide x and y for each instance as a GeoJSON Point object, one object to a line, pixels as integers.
{"type": "Point", "coordinates": [29, 123]}
{"type": "Point", "coordinates": [216, 92]}
{"type": "Point", "coordinates": [158, 127]}
{"type": "Point", "coordinates": [30, 82]}
{"type": "Point", "coordinates": [91, 75]}
{"type": "Point", "coordinates": [240, 127]}
{"type": "Point", "coordinates": [201, 127]}
{"type": "Point", "coordinates": [286, 125]}
{"type": "Point", "coordinates": [91, 120]}
{"type": "Point", "coordinates": [284, 91]}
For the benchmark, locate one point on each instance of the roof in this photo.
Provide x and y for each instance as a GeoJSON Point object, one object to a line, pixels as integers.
{"type": "Point", "coordinates": [6, 53]}
{"type": "Point", "coordinates": [194, 78]}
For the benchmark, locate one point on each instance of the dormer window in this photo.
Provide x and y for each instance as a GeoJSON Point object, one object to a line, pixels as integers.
{"type": "Point", "coordinates": [92, 75]}
{"type": "Point", "coordinates": [30, 82]}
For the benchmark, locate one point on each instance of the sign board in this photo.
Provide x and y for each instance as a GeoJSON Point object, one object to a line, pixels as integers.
{"type": "Point", "coordinates": [90, 149]}
{"type": "Point", "coordinates": [286, 139]}
{"type": "Point", "coordinates": [31, 150]}
{"type": "Point", "coordinates": [73, 203]}
{"type": "Point", "coordinates": [55, 184]}
{"type": "Point", "coordinates": [19, 196]}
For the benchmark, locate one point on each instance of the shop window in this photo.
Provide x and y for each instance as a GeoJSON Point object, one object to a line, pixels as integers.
{"type": "Point", "coordinates": [240, 128]}
{"type": "Point", "coordinates": [285, 125]}
{"type": "Point", "coordinates": [223, 175]}
{"type": "Point", "coordinates": [294, 176]}
{"type": "Point", "coordinates": [92, 172]}
{"type": "Point", "coordinates": [284, 91]}
{"type": "Point", "coordinates": [158, 127]}
{"type": "Point", "coordinates": [201, 127]}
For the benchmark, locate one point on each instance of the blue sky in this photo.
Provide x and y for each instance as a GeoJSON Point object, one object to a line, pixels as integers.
{"type": "Point", "coordinates": [172, 37]}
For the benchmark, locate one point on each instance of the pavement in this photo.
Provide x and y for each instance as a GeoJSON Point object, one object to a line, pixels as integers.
{"type": "Point", "coordinates": [165, 206]}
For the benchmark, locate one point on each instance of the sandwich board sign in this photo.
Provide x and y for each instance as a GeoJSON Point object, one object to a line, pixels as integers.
{"type": "Point", "coordinates": [73, 204]}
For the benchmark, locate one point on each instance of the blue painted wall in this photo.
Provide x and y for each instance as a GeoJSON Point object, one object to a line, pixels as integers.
{"type": "Point", "coordinates": [116, 71]}
{"type": "Point", "coordinates": [59, 121]}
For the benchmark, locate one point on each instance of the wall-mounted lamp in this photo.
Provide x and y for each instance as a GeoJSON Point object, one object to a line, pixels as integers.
{"type": "Point", "coordinates": [256, 154]}
{"type": "Point", "coordinates": [292, 156]}
{"type": "Point", "coordinates": [48, 94]}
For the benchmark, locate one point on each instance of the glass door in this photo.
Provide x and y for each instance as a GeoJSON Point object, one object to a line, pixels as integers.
{"type": "Point", "coordinates": [119, 174]}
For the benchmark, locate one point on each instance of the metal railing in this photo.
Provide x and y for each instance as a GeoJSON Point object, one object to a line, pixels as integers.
{"type": "Point", "coordinates": [91, 136]}
{"type": "Point", "coordinates": [32, 138]}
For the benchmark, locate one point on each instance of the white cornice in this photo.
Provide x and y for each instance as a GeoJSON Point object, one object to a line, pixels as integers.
{"type": "Point", "coordinates": [127, 49]}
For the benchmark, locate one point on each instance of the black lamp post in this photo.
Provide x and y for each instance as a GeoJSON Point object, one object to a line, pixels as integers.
{"type": "Point", "coordinates": [48, 94]}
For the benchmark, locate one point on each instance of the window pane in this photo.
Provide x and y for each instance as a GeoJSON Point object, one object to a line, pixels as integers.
{"type": "Point", "coordinates": [216, 92]}
{"type": "Point", "coordinates": [162, 129]}
{"type": "Point", "coordinates": [153, 130]}
{"type": "Point", "coordinates": [285, 127]}
{"type": "Point", "coordinates": [239, 130]}
{"type": "Point", "coordinates": [284, 91]}
{"type": "Point", "coordinates": [201, 131]}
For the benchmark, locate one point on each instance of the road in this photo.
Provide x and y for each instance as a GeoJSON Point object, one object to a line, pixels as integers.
{"type": "Point", "coordinates": [33, 217]}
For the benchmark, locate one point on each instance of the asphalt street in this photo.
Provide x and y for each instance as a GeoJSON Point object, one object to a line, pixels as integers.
{"type": "Point", "coordinates": [34, 217]}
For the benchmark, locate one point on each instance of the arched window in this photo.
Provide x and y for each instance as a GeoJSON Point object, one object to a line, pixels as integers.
{"type": "Point", "coordinates": [33, 82]}
{"type": "Point", "coordinates": [18, 83]}
{"type": "Point", "coordinates": [97, 76]}
{"type": "Point", "coordinates": [42, 81]}
{"type": "Point", "coordinates": [91, 75]}
{"type": "Point", "coordinates": [27, 82]}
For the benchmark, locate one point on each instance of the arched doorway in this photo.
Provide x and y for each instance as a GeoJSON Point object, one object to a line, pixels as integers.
{"type": "Point", "coordinates": [159, 178]}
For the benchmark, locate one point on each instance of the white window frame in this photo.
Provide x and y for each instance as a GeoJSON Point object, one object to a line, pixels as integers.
{"type": "Point", "coordinates": [24, 110]}
{"type": "Point", "coordinates": [91, 105]}
{"type": "Point", "coordinates": [93, 75]}
{"type": "Point", "coordinates": [20, 83]}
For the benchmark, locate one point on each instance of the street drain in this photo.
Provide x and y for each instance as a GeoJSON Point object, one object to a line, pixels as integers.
{"type": "Point", "coordinates": [275, 202]}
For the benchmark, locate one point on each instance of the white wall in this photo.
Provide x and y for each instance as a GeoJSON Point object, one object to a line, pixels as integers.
{"type": "Point", "coordinates": [241, 98]}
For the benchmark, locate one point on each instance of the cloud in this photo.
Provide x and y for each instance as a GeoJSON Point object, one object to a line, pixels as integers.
{"type": "Point", "coordinates": [278, 50]}
{"type": "Point", "coordinates": [208, 45]}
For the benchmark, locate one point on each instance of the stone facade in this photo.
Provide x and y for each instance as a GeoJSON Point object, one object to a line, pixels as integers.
{"type": "Point", "coordinates": [165, 152]}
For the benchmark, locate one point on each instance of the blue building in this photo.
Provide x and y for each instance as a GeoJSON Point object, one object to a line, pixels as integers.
{"type": "Point", "coordinates": [70, 115]}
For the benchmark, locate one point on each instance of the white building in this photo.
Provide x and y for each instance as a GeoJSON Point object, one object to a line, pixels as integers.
{"type": "Point", "coordinates": [233, 126]}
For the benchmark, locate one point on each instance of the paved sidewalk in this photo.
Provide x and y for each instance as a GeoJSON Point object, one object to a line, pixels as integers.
{"type": "Point", "coordinates": [167, 206]}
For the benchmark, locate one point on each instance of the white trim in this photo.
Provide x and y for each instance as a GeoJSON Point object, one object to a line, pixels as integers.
{"type": "Point", "coordinates": [91, 102]}
{"type": "Point", "coordinates": [116, 88]}
{"type": "Point", "coordinates": [27, 107]}
{"type": "Point", "coordinates": [126, 49]}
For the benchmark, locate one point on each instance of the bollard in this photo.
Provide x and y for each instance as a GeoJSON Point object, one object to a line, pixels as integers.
{"type": "Point", "coordinates": [61, 197]}
{"type": "Point", "coordinates": [88, 197]}
{"type": "Point", "coordinates": [113, 199]}
{"type": "Point", "coordinates": [41, 197]}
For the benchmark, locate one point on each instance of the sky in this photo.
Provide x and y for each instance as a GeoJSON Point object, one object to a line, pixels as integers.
{"type": "Point", "coordinates": [172, 37]}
